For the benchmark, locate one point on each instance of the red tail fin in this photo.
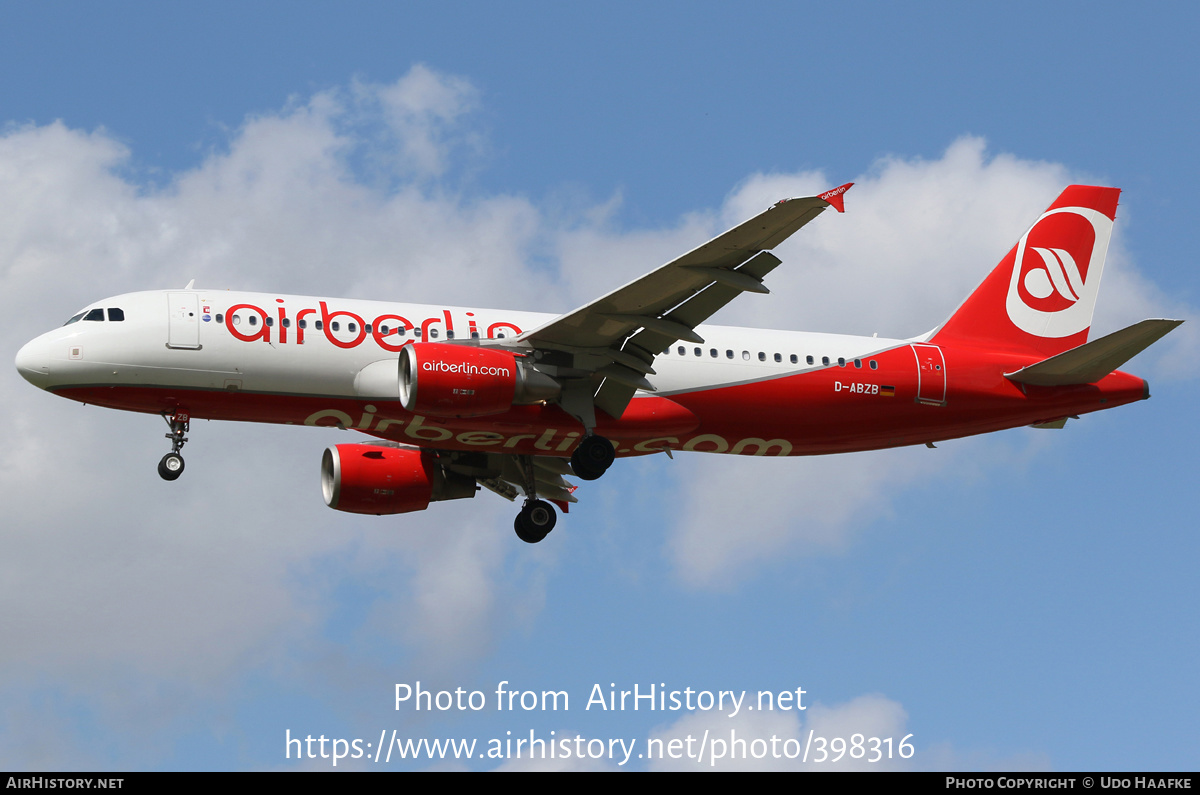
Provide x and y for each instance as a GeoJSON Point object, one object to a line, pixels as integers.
{"type": "Point", "coordinates": [1041, 296]}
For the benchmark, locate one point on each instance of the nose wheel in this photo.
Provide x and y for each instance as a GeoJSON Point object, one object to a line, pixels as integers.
{"type": "Point", "coordinates": [171, 465]}
{"type": "Point", "coordinates": [535, 521]}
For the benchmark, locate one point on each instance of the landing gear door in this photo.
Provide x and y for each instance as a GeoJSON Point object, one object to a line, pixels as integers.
{"type": "Point", "coordinates": [183, 321]}
{"type": "Point", "coordinates": [931, 374]}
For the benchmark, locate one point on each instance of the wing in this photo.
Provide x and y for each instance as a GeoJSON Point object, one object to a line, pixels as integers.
{"type": "Point", "coordinates": [602, 352]}
{"type": "Point", "coordinates": [547, 474]}
{"type": "Point", "coordinates": [506, 475]}
{"type": "Point", "coordinates": [512, 475]}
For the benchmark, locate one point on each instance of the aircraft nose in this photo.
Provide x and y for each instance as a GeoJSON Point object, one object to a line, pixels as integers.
{"type": "Point", "coordinates": [33, 363]}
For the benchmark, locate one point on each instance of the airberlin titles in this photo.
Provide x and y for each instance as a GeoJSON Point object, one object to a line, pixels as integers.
{"type": "Point", "coordinates": [262, 323]}
{"type": "Point", "coordinates": [550, 440]}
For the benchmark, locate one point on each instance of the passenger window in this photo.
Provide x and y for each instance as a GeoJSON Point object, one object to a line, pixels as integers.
{"type": "Point", "coordinates": [302, 323]}
{"type": "Point", "coordinates": [499, 336]}
{"type": "Point", "coordinates": [417, 332]}
{"type": "Point", "coordinates": [698, 352]}
{"type": "Point", "coordinates": [809, 359]}
{"type": "Point", "coordinates": [286, 322]}
{"type": "Point", "coordinates": [779, 357]}
{"type": "Point", "coordinates": [825, 360]}
{"type": "Point", "coordinates": [433, 334]}
{"type": "Point", "coordinates": [253, 320]}
{"type": "Point", "coordinates": [449, 333]}
{"type": "Point", "coordinates": [796, 359]}
{"type": "Point", "coordinates": [874, 365]}
{"type": "Point", "coordinates": [682, 350]}
{"type": "Point", "coordinates": [237, 320]}
{"type": "Point", "coordinates": [335, 326]}
{"type": "Point", "coordinates": [115, 315]}
{"type": "Point", "coordinates": [220, 318]}
{"type": "Point", "coordinates": [728, 354]}
{"type": "Point", "coordinates": [746, 355]}
{"type": "Point", "coordinates": [762, 357]}
{"type": "Point", "coordinates": [474, 335]}
{"type": "Point", "coordinates": [841, 362]}
{"type": "Point", "coordinates": [402, 331]}
{"type": "Point", "coordinates": [858, 363]}
{"type": "Point", "coordinates": [320, 325]}
{"type": "Point", "coordinates": [270, 321]}
{"type": "Point", "coordinates": [712, 352]}
{"type": "Point", "coordinates": [95, 314]}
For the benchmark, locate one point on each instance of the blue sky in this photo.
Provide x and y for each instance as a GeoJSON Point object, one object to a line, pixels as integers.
{"type": "Point", "coordinates": [1024, 600]}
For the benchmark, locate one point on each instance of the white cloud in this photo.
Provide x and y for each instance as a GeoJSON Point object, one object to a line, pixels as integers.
{"type": "Point", "coordinates": [777, 740]}
{"type": "Point", "coordinates": [572, 752]}
{"type": "Point", "coordinates": [740, 512]}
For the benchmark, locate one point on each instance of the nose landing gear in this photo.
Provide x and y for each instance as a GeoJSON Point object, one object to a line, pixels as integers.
{"type": "Point", "coordinates": [171, 465]}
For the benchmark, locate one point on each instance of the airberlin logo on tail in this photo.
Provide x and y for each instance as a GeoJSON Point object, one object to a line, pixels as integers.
{"type": "Point", "coordinates": [1057, 272]}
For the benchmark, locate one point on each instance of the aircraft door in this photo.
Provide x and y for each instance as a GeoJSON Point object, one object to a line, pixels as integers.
{"type": "Point", "coordinates": [183, 321]}
{"type": "Point", "coordinates": [931, 374]}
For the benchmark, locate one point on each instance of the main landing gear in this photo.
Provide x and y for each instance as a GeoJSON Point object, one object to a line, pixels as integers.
{"type": "Point", "coordinates": [592, 457]}
{"type": "Point", "coordinates": [535, 521]}
{"type": "Point", "coordinates": [171, 465]}
{"type": "Point", "coordinates": [537, 518]}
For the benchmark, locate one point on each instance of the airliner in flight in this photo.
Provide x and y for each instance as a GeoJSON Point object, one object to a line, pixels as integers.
{"type": "Point", "coordinates": [460, 398]}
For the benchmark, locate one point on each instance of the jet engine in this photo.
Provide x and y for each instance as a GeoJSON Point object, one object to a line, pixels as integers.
{"type": "Point", "coordinates": [374, 479]}
{"type": "Point", "coordinates": [441, 380]}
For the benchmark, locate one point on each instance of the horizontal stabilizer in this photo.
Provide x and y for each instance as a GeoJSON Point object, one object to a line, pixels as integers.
{"type": "Point", "coordinates": [1093, 360]}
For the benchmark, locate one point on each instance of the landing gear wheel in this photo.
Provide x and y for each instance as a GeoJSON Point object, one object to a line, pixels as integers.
{"type": "Point", "coordinates": [535, 521]}
{"type": "Point", "coordinates": [171, 466]}
{"type": "Point", "coordinates": [592, 457]}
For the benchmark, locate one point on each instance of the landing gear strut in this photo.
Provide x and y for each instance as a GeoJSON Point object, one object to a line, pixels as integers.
{"type": "Point", "coordinates": [535, 521]}
{"type": "Point", "coordinates": [592, 457]}
{"type": "Point", "coordinates": [171, 465]}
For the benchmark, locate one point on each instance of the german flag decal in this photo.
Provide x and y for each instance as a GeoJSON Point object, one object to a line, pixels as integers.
{"type": "Point", "coordinates": [887, 391]}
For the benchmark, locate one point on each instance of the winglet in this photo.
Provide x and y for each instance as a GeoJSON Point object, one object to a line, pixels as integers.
{"type": "Point", "coordinates": [836, 198]}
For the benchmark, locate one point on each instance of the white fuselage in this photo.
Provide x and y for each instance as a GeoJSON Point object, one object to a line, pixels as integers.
{"type": "Point", "coordinates": [300, 353]}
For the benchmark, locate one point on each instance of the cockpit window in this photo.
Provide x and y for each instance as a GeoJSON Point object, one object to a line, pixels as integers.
{"type": "Point", "coordinates": [115, 314]}
{"type": "Point", "coordinates": [74, 319]}
{"type": "Point", "coordinates": [95, 314]}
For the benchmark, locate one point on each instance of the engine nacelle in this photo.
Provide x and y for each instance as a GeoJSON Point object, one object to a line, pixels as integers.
{"type": "Point", "coordinates": [443, 380]}
{"type": "Point", "coordinates": [367, 478]}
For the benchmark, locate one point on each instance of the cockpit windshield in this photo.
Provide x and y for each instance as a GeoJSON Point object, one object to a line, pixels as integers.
{"type": "Point", "coordinates": [115, 314]}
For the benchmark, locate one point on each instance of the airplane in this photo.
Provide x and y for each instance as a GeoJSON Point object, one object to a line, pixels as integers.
{"type": "Point", "coordinates": [457, 399]}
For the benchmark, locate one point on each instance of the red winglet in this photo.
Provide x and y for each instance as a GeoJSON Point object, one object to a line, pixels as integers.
{"type": "Point", "coordinates": [835, 197]}
{"type": "Point", "coordinates": [563, 505]}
